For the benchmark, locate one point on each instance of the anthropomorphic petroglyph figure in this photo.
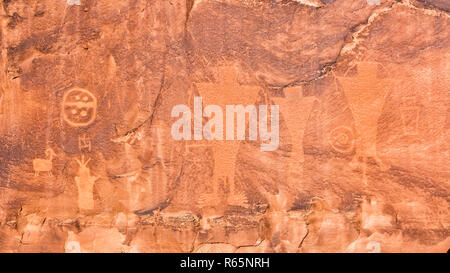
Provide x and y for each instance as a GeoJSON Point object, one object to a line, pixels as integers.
{"type": "Point", "coordinates": [44, 165]}
{"type": "Point", "coordinates": [296, 111]}
{"type": "Point", "coordinates": [365, 95]}
{"type": "Point", "coordinates": [79, 107]}
{"type": "Point", "coordinates": [85, 185]}
{"type": "Point", "coordinates": [226, 91]}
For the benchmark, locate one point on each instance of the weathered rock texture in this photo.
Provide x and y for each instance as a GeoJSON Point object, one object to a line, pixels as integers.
{"type": "Point", "coordinates": [88, 163]}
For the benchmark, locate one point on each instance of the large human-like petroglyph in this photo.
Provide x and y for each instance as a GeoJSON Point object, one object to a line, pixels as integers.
{"type": "Point", "coordinates": [365, 94]}
{"type": "Point", "coordinates": [296, 110]}
{"type": "Point", "coordinates": [226, 91]}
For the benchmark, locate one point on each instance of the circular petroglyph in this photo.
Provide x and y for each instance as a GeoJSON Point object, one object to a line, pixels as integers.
{"type": "Point", "coordinates": [341, 139]}
{"type": "Point", "coordinates": [79, 107]}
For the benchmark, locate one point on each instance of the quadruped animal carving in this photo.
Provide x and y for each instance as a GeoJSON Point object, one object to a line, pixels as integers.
{"type": "Point", "coordinates": [44, 165]}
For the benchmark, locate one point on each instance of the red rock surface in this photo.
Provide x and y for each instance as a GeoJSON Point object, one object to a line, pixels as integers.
{"type": "Point", "coordinates": [88, 162]}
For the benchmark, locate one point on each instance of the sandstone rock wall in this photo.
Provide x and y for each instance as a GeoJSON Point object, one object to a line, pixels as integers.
{"type": "Point", "coordinates": [88, 162]}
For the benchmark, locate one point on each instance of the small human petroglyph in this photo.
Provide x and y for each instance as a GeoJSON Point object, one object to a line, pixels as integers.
{"type": "Point", "coordinates": [84, 143]}
{"type": "Point", "coordinates": [365, 94]}
{"type": "Point", "coordinates": [85, 185]}
{"type": "Point", "coordinates": [410, 116]}
{"type": "Point", "coordinates": [342, 139]}
{"type": "Point", "coordinates": [79, 107]}
{"type": "Point", "coordinates": [44, 165]}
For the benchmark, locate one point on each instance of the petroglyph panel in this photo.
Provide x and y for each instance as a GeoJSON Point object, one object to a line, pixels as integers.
{"type": "Point", "coordinates": [88, 161]}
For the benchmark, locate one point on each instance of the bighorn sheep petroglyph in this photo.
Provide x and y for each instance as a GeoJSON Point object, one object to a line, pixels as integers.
{"type": "Point", "coordinates": [44, 165]}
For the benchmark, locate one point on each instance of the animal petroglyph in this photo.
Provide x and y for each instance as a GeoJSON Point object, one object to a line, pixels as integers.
{"type": "Point", "coordinates": [296, 111]}
{"type": "Point", "coordinates": [227, 91]}
{"type": "Point", "coordinates": [365, 95]}
{"type": "Point", "coordinates": [85, 185]}
{"type": "Point", "coordinates": [44, 165]}
{"type": "Point", "coordinates": [79, 107]}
